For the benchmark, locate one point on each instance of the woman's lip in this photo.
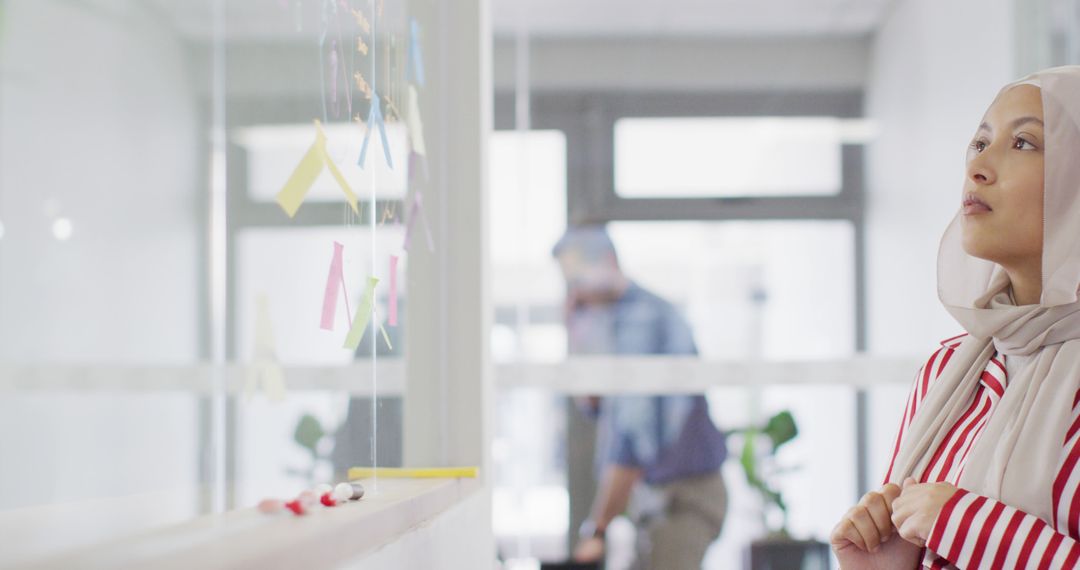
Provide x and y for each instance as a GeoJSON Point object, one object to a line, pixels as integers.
{"type": "Point", "coordinates": [972, 204]}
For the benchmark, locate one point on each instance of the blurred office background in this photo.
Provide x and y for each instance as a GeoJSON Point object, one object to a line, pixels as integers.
{"type": "Point", "coordinates": [780, 170]}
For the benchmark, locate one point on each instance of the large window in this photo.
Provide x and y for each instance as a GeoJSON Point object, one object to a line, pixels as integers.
{"type": "Point", "coordinates": [750, 224]}
{"type": "Point", "coordinates": [528, 214]}
{"type": "Point", "coordinates": [779, 290]}
{"type": "Point", "coordinates": [724, 156]}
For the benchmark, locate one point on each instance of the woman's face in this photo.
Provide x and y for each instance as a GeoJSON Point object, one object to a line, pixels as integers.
{"type": "Point", "coordinates": [1003, 188]}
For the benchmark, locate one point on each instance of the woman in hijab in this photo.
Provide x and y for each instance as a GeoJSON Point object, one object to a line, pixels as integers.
{"type": "Point", "coordinates": [985, 468]}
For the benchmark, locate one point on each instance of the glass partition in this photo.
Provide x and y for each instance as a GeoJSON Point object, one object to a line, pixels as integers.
{"type": "Point", "coordinates": [212, 215]}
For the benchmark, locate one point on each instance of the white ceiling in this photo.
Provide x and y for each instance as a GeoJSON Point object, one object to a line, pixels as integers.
{"type": "Point", "coordinates": [689, 17]}
{"type": "Point", "coordinates": [282, 19]}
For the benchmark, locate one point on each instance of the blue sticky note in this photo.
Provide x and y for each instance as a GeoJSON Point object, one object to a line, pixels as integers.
{"type": "Point", "coordinates": [375, 120]}
{"type": "Point", "coordinates": [416, 59]}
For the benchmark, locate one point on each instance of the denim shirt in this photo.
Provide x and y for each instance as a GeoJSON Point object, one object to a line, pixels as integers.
{"type": "Point", "coordinates": [669, 437]}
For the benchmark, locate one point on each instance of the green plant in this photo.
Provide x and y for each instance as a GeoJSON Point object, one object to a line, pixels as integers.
{"type": "Point", "coordinates": [759, 463]}
{"type": "Point", "coordinates": [309, 432]}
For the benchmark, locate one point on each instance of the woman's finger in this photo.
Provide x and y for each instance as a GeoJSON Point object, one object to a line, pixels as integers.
{"type": "Point", "coordinates": [881, 515]}
{"type": "Point", "coordinates": [900, 514]}
{"type": "Point", "coordinates": [890, 492]}
{"type": "Point", "coordinates": [864, 523]}
{"type": "Point", "coordinates": [847, 533]}
{"type": "Point", "coordinates": [907, 532]}
{"type": "Point", "coordinates": [868, 498]}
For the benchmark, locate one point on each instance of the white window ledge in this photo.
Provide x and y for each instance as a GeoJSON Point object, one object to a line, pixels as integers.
{"type": "Point", "coordinates": [246, 538]}
{"type": "Point", "coordinates": [578, 375]}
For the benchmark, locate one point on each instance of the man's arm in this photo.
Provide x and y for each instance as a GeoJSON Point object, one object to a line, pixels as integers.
{"type": "Point", "coordinates": [614, 493]}
{"type": "Point", "coordinates": [611, 499]}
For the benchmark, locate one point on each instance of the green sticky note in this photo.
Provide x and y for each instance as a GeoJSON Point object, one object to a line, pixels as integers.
{"type": "Point", "coordinates": [386, 337]}
{"type": "Point", "coordinates": [363, 316]}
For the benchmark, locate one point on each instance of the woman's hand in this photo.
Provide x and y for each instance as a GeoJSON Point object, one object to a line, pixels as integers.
{"type": "Point", "coordinates": [917, 507]}
{"type": "Point", "coordinates": [867, 524]}
{"type": "Point", "coordinates": [861, 539]}
{"type": "Point", "coordinates": [895, 554]}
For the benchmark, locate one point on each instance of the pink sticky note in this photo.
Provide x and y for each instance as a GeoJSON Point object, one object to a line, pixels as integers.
{"type": "Point", "coordinates": [334, 282]}
{"type": "Point", "coordinates": [393, 290]}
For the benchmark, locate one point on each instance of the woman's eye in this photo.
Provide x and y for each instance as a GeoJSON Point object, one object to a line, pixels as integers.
{"type": "Point", "coordinates": [1019, 144]}
{"type": "Point", "coordinates": [979, 146]}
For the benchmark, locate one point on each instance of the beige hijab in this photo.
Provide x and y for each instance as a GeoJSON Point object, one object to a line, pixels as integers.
{"type": "Point", "coordinates": [1015, 458]}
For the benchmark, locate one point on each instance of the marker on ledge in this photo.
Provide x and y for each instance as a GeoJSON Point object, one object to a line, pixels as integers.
{"type": "Point", "coordinates": [414, 473]}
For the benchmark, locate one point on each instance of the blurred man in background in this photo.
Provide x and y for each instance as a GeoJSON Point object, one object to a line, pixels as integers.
{"type": "Point", "coordinates": [660, 455]}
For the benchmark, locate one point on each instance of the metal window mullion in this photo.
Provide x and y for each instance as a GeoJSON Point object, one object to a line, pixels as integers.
{"type": "Point", "coordinates": [311, 215]}
{"type": "Point", "coordinates": [734, 209]}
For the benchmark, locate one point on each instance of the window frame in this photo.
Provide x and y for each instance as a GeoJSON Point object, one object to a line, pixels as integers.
{"type": "Point", "coordinates": [588, 117]}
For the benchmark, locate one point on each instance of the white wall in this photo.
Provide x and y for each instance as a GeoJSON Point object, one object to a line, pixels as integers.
{"type": "Point", "coordinates": [99, 122]}
{"type": "Point", "coordinates": [99, 126]}
{"type": "Point", "coordinates": [934, 68]}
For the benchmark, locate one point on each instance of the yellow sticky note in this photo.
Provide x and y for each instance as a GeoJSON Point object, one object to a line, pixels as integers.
{"type": "Point", "coordinates": [296, 187]}
{"type": "Point", "coordinates": [264, 368]}
{"type": "Point", "coordinates": [416, 125]}
{"type": "Point", "coordinates": [363, 316]}
{"type": "Point", "coordinates": [311, 166]}
{"type": "Point", "coordinates": [270, 376]}
{"type": "Point", "coordinates": [341, 182]}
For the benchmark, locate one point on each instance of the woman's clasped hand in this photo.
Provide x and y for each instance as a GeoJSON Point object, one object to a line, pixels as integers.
{"type": "Point", "coordinates": [888, 527]}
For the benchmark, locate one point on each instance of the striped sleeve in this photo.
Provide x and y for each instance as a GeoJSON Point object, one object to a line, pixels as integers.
{"type": "Point", "coordinates": [927, 374]}
{"type": "Point", "coordinates": [975, 532]}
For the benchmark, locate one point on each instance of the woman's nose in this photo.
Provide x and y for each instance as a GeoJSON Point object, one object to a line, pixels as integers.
{"type": "Point", "coordinates": [980, 172]}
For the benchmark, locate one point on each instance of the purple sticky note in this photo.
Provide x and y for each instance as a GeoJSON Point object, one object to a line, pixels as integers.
{"type": "Point", "coordinates": [393, 290]}
{"type": "Point", "coordinates": [333, 79]}
{"type": "Point", "coordinates": [416, 210]}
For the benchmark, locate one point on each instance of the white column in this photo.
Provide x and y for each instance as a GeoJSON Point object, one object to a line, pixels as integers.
{"type": "Point", "coordinates": [448, 367]}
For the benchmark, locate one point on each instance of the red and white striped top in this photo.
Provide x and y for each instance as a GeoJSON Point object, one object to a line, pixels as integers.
{"type": "Point", "coordinates": [974, 532]}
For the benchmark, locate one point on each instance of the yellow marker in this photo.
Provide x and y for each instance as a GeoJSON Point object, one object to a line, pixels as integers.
{"type": "Point", "coordinates": [414, 473]}
{"type": "Point", "coordinates": [311, 166]}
